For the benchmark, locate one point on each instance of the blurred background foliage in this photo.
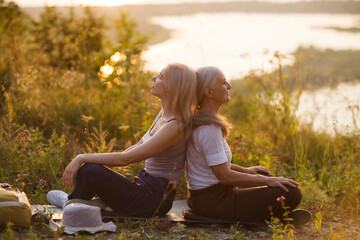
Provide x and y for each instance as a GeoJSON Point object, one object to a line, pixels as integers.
{"type": "Point", "coordinates": [65, 88]}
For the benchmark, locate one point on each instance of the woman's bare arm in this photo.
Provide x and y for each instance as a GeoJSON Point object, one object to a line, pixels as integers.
{"type": "Point", "coordinates": [227, 176]}
{"type": "Point", "coordinates": [251, 170]}
{"type": "Point", "coordinates": [168, 135]}
{"type": "Point", "coordinates": [133, 146]}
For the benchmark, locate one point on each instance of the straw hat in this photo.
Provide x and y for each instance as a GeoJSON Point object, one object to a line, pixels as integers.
{"type": "Point", "coordinates": [82, 217]}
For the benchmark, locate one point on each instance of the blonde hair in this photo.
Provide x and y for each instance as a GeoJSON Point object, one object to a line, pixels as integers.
{"type": "Point", "coordinates": [181, 81]}
{"type": "Point", "coordinates": [206, 78]}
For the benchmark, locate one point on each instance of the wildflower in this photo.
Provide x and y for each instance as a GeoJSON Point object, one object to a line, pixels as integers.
{"type": "Point", "coordinates": [280, 199]}
{"type": "Point", "coordinates": [124, 127]}
{"type": "Point", "coordinates": [42, 183]}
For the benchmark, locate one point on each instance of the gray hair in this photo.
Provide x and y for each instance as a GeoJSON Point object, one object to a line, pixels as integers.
{"type": "Point", "coordinates": [206, 78]}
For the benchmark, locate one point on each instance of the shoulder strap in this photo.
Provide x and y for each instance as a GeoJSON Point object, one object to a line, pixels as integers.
{"type": "Point", "coordinates": [171, 119]}
{"type": "Point", "coordinates": [156, 119]}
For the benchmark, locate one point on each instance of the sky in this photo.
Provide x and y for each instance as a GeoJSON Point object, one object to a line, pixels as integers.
{"type": "Point", "coordinates": [37, 3]}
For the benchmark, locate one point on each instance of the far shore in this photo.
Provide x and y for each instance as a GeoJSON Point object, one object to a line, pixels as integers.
{"type": "Point", "coordinates": [143, 13]}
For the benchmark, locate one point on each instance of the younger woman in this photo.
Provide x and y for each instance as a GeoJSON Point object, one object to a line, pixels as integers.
{"type": "Point", "coordinates": [162, 147]}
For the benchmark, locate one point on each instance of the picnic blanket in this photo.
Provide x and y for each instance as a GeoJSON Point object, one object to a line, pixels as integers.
{"type": "Point", "coordinates": [180, 212]}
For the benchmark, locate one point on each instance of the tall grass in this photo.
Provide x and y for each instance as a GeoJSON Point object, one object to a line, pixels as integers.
{"type": "Point", "coordinates": [266, 131]}
{"type": "Point", "coordinates": [50, 112]}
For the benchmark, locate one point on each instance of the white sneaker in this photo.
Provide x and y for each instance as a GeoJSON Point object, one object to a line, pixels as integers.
{"type": "Point", "coordinates": [57, 198]}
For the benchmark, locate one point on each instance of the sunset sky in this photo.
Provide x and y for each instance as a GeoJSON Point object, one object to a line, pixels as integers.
{"type": "Point", "coordinates": [32, 3]}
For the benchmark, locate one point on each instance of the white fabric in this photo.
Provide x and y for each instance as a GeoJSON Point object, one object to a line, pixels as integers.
{"type": "Point", "coordinates": [208, 149]}
{"type": "Point", "coordinates": [57, 198]}
{"type": "Point", "coordinates": [81, 217]}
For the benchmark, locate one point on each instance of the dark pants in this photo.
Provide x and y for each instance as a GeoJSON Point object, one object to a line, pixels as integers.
{"type": "Point", "coordinates": [242, 204]}
{"type": "Point", "coordinates": [147, 196]}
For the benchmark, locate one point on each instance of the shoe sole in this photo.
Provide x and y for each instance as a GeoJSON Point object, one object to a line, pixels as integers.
{"type": "Point", "coordinates": [300, 217]}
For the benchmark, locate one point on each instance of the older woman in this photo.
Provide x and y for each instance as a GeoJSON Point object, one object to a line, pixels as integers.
{"type": "Point", "coordinates": [218, 188]}
{"type": "Point", "coordinates": [163, 148]}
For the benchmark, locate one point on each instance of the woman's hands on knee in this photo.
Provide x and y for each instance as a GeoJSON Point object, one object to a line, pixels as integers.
{"type": "Point", "coordinates": [71, 170]}
{"type": "Point", "coordinates": [281, 182]}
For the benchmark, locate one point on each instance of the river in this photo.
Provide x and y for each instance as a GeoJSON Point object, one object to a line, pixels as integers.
{"type": "Point", "coordinates": [238, 42]}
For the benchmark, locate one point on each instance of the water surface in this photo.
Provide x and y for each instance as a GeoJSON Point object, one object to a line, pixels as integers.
{"type": "Point", "coordinates": [236, 42]}
{"type": "Point", "coordinates": [332, 110]}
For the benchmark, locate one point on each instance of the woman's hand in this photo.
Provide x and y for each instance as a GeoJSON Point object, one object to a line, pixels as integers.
{"type": "Point", "coordinates": [258, 170]}
{"type": "Point", "coordinates": [71, 170]}
{"type": "Point", "coordinates": [281, 182]}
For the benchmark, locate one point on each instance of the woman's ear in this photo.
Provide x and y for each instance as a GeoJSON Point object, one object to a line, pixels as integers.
{"type": "Point", "coordinates": [208, 93]}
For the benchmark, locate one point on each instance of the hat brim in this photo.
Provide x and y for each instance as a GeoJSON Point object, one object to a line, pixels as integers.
{"type": "Point", "coordinates": [109, 226]}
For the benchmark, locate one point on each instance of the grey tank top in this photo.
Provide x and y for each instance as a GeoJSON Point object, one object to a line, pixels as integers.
{"type": "Point", "coordinates": [169, 163]}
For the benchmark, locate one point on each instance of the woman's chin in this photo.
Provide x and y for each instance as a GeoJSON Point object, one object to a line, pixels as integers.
{"type": "Point", "coordinates": [154, 94]}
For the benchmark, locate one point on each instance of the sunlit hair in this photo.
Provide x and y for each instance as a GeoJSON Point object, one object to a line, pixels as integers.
{"type": "Point", "coordinates": [180, 81]}
{"type": "Point", "coordinates": [206, 78]}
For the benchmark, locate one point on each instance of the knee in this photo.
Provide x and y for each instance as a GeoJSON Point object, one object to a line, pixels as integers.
{"type": "Point", "coordinates": [89, 169]}
{"type": "Point", "coordinates": [294, 197]}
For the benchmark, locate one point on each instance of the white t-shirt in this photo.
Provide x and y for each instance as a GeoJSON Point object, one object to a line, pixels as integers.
{"type": "Point", "coordinates": [210, 149]}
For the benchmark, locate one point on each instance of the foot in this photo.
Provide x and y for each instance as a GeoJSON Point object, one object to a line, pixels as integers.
{"type": "Point", "coordinates": [57, 198]}
{"type": "Point", "coordinates": [299, 217]}
{"type": "Point", "coordinates": [97, 202]}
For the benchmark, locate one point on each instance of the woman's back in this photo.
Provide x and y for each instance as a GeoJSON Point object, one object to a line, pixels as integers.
{"type": "Point", "coordinates": [168, 164]}
{"type": "Point", "coordinates": [208, 148]}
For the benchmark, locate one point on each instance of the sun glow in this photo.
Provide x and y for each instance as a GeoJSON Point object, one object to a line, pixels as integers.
{"type": "Point", "coordinates": [106, 70]}
{"type": "Point", "coordinates": [107, 3]}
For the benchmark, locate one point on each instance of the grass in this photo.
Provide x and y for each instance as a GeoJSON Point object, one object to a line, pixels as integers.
{"type": "Point", "coordinates": [333, 227]}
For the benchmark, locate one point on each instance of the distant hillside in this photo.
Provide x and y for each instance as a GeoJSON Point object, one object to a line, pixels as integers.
{"type": "Point", "coordinates": [142, 13]}
{"type": "Point", "coordinates": [147, 10]}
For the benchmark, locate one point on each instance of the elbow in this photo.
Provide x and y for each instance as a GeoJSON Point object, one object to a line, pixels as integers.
{"type": "Point", "coordinates": [122, 160]}
{"type": "Point", "coordinates": [123, 163]}
{"type": "Point", "coordinates": [127, 158]}
{"type": "Point", "coordinates": [224, 179]}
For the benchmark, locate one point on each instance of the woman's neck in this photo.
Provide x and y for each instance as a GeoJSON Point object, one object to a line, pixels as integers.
{"type": "Point", "coordinates": [208, 107]}
{"type": "Point", "coordinates": [167, 110]}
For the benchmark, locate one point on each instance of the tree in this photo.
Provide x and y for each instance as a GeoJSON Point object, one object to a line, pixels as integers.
{"type": "Point", "coordinates": [68, 42]}
{"type": "Point", "coordinates": [12, 30]}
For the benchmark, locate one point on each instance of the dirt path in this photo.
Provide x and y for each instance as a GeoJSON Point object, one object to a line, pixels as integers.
{"type": "Point", "coordinates": [334, 227]}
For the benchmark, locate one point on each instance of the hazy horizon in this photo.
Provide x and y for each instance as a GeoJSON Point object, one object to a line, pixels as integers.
{"type": "Point", "coordinates": [42, 3]}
